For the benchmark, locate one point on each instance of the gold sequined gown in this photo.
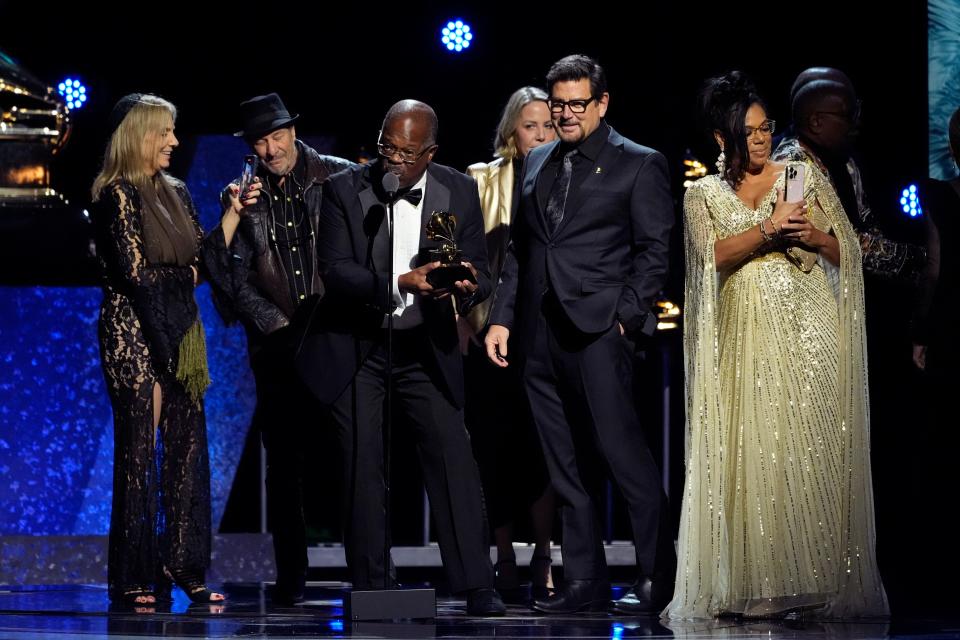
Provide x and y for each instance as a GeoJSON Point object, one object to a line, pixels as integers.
{"type": "Point", "coordinates": [778, 505]}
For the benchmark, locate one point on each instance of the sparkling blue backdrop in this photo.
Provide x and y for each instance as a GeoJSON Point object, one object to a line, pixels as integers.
{"type": "Point", "coordinates": [56, 435]}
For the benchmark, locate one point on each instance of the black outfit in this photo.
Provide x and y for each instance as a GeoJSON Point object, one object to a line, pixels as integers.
{"type": "Point", "coordinates": [504, 439]}
{"type": "Point", "coordinates": [882, 256]}
{"type": "Point", "coordinates": [268, 271]}
{"type": "Point", "coordinates": [250, 278]}
{"type": "Point", "coordinates": [291, 233]}
{"type": "Point", "coordinates": [343, 362]}
{"type": "Point", "coordinates": [497, 414]}
{"type": "Point", "coordinates": [934, 321]}
{"type": "Point", "coordinates": [570, 278]}
{"type": "Point", "coordinates": [161, 485]}
{"type": "Point", "coordinates": [933, 437]}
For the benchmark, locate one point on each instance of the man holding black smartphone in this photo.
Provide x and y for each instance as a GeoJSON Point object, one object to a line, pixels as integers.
{"type": "Point", "coordinates": [261, 260]}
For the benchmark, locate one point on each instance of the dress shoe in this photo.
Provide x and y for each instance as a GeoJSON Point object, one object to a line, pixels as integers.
{"type": "Point", "coordinates": [576, 595]}
{"type": "Point", "coordinates": [485, 602]}
{"type": "Point", "coordinates": [646, 596]}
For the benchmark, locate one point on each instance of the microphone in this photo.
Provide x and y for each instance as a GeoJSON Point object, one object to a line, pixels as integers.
{"type": "Point", "coordinates": [391, 184]}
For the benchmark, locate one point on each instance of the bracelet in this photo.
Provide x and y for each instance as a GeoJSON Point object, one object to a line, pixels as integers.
{"type": "Point", "coordinates": [775, 234]}
{"type": "Point", "coordinates": [763, 232]}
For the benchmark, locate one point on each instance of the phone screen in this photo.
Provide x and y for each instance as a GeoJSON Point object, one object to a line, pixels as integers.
{"type": "Point", "coordinates": [249, 171]}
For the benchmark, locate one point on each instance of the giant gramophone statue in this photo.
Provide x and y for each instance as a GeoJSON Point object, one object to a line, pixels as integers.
{"type": "Point", "coordinates": [440, 228]}
{"type": "Point", "coordinates": [35, 125]}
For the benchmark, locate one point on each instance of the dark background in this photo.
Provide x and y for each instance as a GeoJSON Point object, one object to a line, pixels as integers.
{"type": "Point", "coordinates": [341, 68]}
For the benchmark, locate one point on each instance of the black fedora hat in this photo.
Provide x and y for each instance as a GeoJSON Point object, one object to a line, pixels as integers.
{"type": "Point", "coordinates": [263, 114]}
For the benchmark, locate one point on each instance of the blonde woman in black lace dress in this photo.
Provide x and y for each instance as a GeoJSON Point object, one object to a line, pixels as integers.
{"type": "Point", "coordinates": [154, 361]}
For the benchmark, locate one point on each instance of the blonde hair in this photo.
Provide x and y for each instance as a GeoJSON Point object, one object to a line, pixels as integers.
{"type": "Point", "coordinates": [130, 146]}
{"type": "Point", "coordinates": [504, 142]}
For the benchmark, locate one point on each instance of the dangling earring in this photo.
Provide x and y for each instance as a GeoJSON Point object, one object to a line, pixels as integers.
{"type": "Point", "coordinates": [721, 162]}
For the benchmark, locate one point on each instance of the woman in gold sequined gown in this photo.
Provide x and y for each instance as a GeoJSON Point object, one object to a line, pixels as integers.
{"type": "Point", "coordinates": [777, 507]}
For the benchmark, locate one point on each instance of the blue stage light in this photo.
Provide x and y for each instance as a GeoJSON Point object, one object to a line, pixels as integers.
{"type": "Point", "coordinates": [73, 92]}
{"type": "Point", "coordinates": [456, 36]}
{"type": "Point", "coordinates": [910, 201]}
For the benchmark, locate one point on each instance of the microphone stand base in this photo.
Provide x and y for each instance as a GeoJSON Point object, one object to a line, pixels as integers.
{"type": "Point", "coordinates": [390, 604]}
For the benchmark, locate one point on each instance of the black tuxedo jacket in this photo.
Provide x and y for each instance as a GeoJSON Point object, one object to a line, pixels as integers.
{"type": "Point", "coordinates": [352, 252]}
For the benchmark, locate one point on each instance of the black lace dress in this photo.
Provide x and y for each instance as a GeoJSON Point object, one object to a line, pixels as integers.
{"type": "Point", "coordinates": [161, 478]}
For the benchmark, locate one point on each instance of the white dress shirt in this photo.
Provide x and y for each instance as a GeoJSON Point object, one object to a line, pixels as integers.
{"type": "Point", "coordinates": [406, 246]}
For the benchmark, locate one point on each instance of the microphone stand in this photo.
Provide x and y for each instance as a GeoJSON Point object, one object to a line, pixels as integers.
{"type": "Point", "coordinates": [390, 603]}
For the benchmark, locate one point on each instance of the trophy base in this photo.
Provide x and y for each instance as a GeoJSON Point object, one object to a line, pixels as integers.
{"type": "Point", "coordinates": [444, 276]}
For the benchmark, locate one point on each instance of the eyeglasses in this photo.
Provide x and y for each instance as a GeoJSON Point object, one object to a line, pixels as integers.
{"type": "Point", "coordinates": [576, 106]}
{"type": "Point", "coordinates": [765, 129]}
{"type": "Point", "coordinates": [407, 156]}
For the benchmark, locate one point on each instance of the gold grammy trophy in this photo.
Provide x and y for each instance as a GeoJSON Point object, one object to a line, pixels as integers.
{"type": "Point", "coordinates": [440, 228]}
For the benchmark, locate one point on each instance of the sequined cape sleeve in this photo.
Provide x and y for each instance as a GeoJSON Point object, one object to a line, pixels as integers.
{"type": "Point", "coordinates": [860, 592]}
{"type": "Point", "coordinates": [700, 572]}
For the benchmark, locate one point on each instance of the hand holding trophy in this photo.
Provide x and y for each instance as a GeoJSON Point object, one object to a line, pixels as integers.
{"type": "Point", "coordinates": [452, 269]}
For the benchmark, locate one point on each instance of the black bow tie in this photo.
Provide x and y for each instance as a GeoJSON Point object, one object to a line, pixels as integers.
{"type": "Point", "coordinates": [414, 196]}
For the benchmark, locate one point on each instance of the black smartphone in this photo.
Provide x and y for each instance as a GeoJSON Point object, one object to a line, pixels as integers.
{"type": "Point", "coordinates": [247, 175]}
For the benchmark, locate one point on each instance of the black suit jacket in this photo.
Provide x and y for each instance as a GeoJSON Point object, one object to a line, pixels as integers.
{"type": "Point", "coordinates": [352, 252]}
{"type": "Point", "coordinates": [607, 259]}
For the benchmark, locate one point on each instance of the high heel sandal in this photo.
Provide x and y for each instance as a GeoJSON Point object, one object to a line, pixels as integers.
{"type": "Point", "coordinates": [131, 597]}
{"type": "Point", "coordinates": [538, 566]}
{"type": "Point", "coordinates": [192, 584]}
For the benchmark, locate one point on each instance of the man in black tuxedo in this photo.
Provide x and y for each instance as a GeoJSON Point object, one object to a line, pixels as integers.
{"type": "Point", "coordinates": [345, 363]}
{"type": "Point", "coordinates": [588, 255]}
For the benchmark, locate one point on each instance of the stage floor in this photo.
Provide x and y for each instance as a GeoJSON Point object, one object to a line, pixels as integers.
{"type": "Point", "coordinates": [60, 612]}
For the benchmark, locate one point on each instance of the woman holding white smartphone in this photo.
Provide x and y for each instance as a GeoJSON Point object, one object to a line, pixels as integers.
{"type": "Point", "coordinates": [778, 510]}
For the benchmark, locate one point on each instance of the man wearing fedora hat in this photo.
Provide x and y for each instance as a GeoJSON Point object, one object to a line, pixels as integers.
{"type": "Point", "coordinates": [262, 264]}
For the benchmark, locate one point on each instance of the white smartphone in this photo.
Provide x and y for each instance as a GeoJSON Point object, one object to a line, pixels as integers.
{"type": "Point", "coordinates": [794, 182]}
